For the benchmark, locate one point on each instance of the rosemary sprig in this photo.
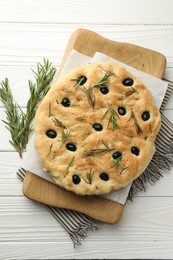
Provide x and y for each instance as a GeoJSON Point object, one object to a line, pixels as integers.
{"type": "Point", "coordinates": [106, 145]}
{"type": "Point", "coordinates": [136, 125]}
{"type": "Point", "coordinates": [65, 135]}
{"type": "Point", "coordinates": [116, 162]}
{"type": "Point", "coordinates": [89, 177]}
{"type": "Point", "coordinates": [38, 89]}
{"type": "Point", "coordinates": [105, 79]}
{"type": "Point", "coordinates": [70, 163]}
{"type": "Point", "coordinates": [78, 82]}
{"type": "Point", "coordinates": [112, 119]}
{"type": "Point", "coordinates": [58, 123]}
{"type": "Point", "coordinates": [14, 117]}
{"type": "Point", "coordinates": [90, 96]}
{"type": "Point", "coordinates": [17, 122]}
{"type": "Point", "coordinates": [96, 152]}
{"type": "Point", "coordinates": [129, 93]}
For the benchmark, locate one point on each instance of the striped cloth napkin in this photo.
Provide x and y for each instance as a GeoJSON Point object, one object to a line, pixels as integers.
{"type": "Point", "coordinates": [77, 224]}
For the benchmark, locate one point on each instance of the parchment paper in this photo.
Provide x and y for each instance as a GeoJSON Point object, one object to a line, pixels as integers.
{"type": "Point", "coordinates": [156, 86]}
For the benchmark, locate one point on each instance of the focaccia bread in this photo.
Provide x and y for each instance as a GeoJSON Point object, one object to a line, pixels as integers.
{"type": "Point", "coordinates": [95, 129]}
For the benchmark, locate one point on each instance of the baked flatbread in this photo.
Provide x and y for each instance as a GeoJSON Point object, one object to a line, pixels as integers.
{"type": "Point", "coordinates": [95, 129]}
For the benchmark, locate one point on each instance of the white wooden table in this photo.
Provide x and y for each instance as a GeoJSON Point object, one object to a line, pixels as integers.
{"type": "Point", "coordinates": [31, 30]}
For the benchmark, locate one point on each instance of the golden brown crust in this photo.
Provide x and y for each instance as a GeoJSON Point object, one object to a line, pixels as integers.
{"type": "Point", "coordinates": [109, 154]}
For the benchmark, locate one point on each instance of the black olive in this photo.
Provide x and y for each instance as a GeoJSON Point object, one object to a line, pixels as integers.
{"type": "Point", "coordinates": [135, 150]}
{"type": "Point", "coordinates": [145, 116]}
{"type": "Point", "coordinates": [116, 155]}
{"type": "Point", "coordinates": [128, 82]}
{"type": "Point", "coordinates": [104, 90]}
{"type": "Point", "coordinates": [81, 80]}
{"type": "Point", "coordinates": [104, 176]}
{"type": "Point", "coordinates": [51, 133]}
{"type": "Point", "coordinates": [65, 102]}
{"type": "Point", "coordinates": [71, 147]}
{"type": "Point", "coordinates": [122, 111]}
{"type": "Point", "coordinates": [97, 127]}
{"type": "Point", "coordinates": [76, 179]}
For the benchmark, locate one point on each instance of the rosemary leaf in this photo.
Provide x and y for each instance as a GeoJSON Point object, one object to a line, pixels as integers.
{"type": "Point", "coordinates": [89, 177]}
{"type": "Point", "coordinates": [129, 93]}
{"type": "Point", "coordinates": [78, 82]}
{"type": "Point", "coordinates": [17, 122]}
{"type": "Point", "coordinates": [96, 152]}
{"type": "Point", "coordinates": [80, 118]}
{"type": "Point", "coordinates": [70, 163]}
{"type": "Point", "coordinates": [65, 135]}
{"type": "Point", "coordinates": [112, 119]}
{"type": "Point", "coordinates": [90, 96]}
{"type": "Point", "coordinates": [105, 79]}
{"type": "Point", "coordinates": [105, 144]}
{"type": "Point", "coordinates": [105, 114]}
{"type": "Point", "coordinates": [116, 162]}
{"type": "Point", "coordinates": [136, 125]}
{"type": "Point", "coordinates": [58, 123]}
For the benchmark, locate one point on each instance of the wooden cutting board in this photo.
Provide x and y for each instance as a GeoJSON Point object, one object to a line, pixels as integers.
{"type": "Point", "coordinates": [43, 191]}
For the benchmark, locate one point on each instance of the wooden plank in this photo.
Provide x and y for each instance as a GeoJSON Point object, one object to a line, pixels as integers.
{"type": "Point", "coordinates": [95, 12]}
{"type": "Point", "coordinates": [139, 221]}
{"type": "Point", "coordinates": [26, 228]}
{"type": "Point", "coordinates": [118, 250]}
{"type": "Point", "coordinates": [27, 44]}
{"type": "Point", "coordinates": [10, 184]}
{"type": "Point", "coordinates": [18, 79]}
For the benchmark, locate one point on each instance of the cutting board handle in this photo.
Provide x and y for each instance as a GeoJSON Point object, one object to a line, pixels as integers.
{"type": "Point", "coordinates": [94, 206]}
